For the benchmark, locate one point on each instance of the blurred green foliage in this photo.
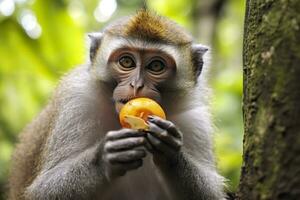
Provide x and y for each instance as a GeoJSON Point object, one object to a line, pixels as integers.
{"type": "Point", "coordinates": [41, 40]}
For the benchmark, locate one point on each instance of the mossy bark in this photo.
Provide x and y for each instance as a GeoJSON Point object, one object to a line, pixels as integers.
{"type": "Point", "coordinates": [271, 166]}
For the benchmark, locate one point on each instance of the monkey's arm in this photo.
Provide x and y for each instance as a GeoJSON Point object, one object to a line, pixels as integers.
{"type": "Point", "coordinates": [189, 180]}
{"type": "Point", "coordinates": [89, 173]}
{"type": "Point", "coordinates": [76, 177]}
{"type": "Point", "coordinates": [189, 177]}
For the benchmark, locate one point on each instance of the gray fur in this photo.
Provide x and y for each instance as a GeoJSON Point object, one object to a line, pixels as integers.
{"type": "Point", "coordinates": [72, 165]}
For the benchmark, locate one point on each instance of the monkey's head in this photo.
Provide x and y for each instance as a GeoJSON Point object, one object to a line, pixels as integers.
{"type": "Point", "coordinates": [145, 55]}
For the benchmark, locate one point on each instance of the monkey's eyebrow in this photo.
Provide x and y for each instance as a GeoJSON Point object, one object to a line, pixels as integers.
{"type": "Point", "coordinates": [147, 49]}
{"type": "Point", "coordinates": [125, 48]}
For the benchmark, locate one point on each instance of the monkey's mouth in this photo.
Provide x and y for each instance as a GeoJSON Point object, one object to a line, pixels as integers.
{"type": "Point", "coordinates": [123, 101]}
{"type": "Point", "coordinates": [120, 103]}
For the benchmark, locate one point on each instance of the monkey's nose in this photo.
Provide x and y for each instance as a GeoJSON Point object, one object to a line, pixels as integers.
{"type": "Point", "coordinates": [137, 85]}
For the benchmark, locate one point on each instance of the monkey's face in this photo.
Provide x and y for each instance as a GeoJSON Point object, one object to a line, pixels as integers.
{"type": "Point", "coordinates": [139, 72]}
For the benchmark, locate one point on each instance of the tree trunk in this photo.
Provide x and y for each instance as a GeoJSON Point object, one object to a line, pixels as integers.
{"type": "Point", "coordinates": [271, 166]}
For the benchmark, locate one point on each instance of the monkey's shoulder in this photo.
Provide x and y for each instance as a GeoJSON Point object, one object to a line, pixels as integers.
{"type": "Point", "coordinates": [77, 85]}
{"type": "Point", "coordinates": [79, 77]}
{"type": "Point", "coordinates": [70, 83]}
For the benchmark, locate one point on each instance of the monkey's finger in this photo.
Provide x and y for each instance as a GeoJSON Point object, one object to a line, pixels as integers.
{"type": "Point", "coordinates": [164, 136]}
{"type": "Point", "coordinates": [165, 124]}
{"type": "Point", "coordinates": [160, 146]}
{"type": "Point", "coordinates": [124, 144]}
{"type": "Point", "coordinates": [126, 156]}
{"type": "Point", "coordinates": [149, 147]}
{"type": "Point", "coordinates": [123, 133]}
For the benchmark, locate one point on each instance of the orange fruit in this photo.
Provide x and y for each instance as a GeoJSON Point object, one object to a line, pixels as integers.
{"type": "Point", "coordinates": [135, 112]}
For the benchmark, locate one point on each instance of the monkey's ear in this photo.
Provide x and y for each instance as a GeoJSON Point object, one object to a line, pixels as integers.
{"type": "Point", "coordinates": [198, 50]}
{"type": "Point", "coordinates": [95, 41]}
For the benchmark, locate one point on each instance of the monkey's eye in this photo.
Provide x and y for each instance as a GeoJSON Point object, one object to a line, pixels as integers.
{"type": "Point", "coordinates": [156, 66]}
{"type": "Point", "coordinates": [126, 62]}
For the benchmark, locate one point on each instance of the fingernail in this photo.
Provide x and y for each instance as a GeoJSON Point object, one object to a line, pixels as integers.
{"type": "Point", "coordinates": [150, 118]}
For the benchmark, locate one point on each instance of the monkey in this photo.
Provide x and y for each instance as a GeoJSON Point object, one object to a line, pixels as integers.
{"type": "Point", "coordinates": [76, 149]}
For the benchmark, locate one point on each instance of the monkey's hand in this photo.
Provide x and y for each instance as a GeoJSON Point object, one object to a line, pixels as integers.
{"type": "Point", "coordinates": [165, 139]}
{"type": "Point", "coordinates": [122, 151]}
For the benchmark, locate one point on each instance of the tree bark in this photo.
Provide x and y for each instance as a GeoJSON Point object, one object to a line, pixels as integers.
{"type": "Point", "coordinates": [271, 157]}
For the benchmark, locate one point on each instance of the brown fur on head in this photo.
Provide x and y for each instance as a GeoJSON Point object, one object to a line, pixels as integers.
{"type": "Point", "coordinates": [147, 30]}
{"type": "Point", "coordinates": [148, 25]}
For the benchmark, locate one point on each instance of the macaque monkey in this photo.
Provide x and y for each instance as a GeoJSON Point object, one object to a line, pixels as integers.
{"type": "Point", "coordinates": [76, 148]}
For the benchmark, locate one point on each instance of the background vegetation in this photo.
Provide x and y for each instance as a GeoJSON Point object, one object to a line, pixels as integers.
{"type": "Point", "coordinates": [42, 39]}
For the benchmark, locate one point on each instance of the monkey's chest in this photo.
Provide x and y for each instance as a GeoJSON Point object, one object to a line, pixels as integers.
{"type": "Point", "coordinates": [144, 183]}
